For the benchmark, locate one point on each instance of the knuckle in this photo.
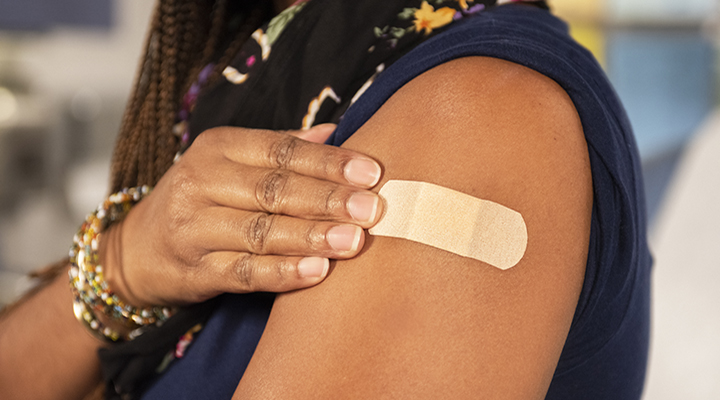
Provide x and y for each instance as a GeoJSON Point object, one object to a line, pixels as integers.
{"type": "Point", "coordinates": [186, 258]}
{"type": "Point", "coordinates": [284, 271]}
{"type": "Point", "coordinates": [205, 138]}
{"type": "Point", "coordinates": [182, 201]}
{"type": "Point", "coordinates": [333, 161]}
{"type": "Point", "coordinates": [243, 270]}
{"type": "Point", "coordinates": [211, 141]}
{"type": "Point", "coordinates": [270, 188]}
{"type": "Point", "coordinates": [184, 180]}
{"type": "Point", "coordinates": [340, 161]}
{"type": "Point", "coordinates": [177, 223]}
{"type": "Point", "coordinates": [335, 200]}
{"type": "Point", "coordinates": [257, 232]}
{"type": "Point", "coordinates": [282, 152]}
{"type": "Point", "coordinates": [210, 136]}
{"type": "Point", "coordinates": [315, 240]}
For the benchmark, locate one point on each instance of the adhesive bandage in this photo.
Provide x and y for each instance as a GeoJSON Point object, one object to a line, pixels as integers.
{"type": "Point", "coordinates": [452, 221]}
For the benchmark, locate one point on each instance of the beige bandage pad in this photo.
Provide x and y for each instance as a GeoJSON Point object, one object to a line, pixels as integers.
{"type": "Point", "coordinates": [452, 221]}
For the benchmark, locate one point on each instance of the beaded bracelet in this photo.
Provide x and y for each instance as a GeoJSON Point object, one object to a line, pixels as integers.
{"type": "Point", "coordinates": [85, 314]}
{"type": "Point", "coordinates": [87, 278]}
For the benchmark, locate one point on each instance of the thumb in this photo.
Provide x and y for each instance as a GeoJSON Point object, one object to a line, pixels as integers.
{"type": "Point", "coordinates": [316, 134]}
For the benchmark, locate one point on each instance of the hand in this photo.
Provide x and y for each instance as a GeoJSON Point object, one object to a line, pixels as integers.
{"type": "Point", "coordinates": [243, 211]}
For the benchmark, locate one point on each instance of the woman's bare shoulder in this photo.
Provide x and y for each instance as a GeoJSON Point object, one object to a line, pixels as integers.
{"type": "Point", "coordinates": [405, 320]}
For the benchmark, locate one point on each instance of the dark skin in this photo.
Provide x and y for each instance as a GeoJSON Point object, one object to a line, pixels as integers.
{"type": "Point", "coordinates": [149, 259]}
{"type": "Point", "coordinates": [513, 323]}
{"type": "Point", "coordinates": [405, 320]}
{"type": "Point", "coordinates": [48, 354]}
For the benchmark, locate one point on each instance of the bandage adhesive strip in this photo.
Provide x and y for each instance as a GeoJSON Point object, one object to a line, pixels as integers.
{"type": "Point", "coordinates": [452, 221]}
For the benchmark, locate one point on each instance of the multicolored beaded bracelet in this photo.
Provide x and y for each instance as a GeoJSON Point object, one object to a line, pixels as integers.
{"type": "Point", "coordinates": [83, 299]}
{"type": "Point", "coordinates": [86, 315]}
{"type": "Point", "coordinates": [86, 275]}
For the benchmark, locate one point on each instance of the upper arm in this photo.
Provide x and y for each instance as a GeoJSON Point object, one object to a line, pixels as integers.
{"type": "Point", "coordinates": [407, 320]}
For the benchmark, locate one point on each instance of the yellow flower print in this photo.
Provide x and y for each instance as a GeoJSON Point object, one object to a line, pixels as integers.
{"type": "Point", "coordinates": [427, 18]}
{"type": "Point", "coordinates": [464, 3]}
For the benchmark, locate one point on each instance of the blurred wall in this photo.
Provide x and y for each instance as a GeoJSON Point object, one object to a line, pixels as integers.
{"type": "Point", "coordinates": [62, 61]}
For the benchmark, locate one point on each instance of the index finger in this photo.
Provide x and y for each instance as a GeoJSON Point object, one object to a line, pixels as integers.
{"type": "Point", "coordinates": [279, 150]}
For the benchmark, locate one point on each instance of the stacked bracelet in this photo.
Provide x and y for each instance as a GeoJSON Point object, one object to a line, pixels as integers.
{"type": "Point", "coordinates": [89, 319]}
{"type": "Point", "coordinates": [91, 291]}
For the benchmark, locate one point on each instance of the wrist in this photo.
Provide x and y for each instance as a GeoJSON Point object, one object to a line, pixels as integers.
{"type": "Point", "coordinates": [111, 258]}
{"type": "Point", "coordinates": [62, 299]}
{"type": "Point", "coordinates": [93, 294]}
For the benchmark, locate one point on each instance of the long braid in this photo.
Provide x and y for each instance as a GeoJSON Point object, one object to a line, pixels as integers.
{"type": "Point", "coordinates": [168, 93]}
{"type": "Point", "coordinates": [179, 31]}
{"type": "Point", "coordinates": [134, 163]}
{"type": "Point", "coordinates": [123, 169]}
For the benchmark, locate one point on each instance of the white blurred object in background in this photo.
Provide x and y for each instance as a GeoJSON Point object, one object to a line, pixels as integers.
{"type": "Point", "coordinates": [685, 344]}
{"type": "Point", "coordinates": [8, 105]}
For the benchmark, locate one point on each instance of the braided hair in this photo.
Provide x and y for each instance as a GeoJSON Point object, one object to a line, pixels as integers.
{"type": "Point", "coordinates": [180, 30]}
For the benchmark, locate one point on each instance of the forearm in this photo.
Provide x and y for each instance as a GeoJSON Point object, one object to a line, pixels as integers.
{"type": "Point", "coordinates": [45, 352]}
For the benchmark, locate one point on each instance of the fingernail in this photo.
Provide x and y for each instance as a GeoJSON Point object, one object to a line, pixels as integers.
{"type": "Point", "coordinates": [344, 237]}
{"type": "Point", "coordinates": [363, 206]}
{"type": "Point", "coordinates": [324, 127]}
{"type": "Point", "coordinates": [362, 172]}
{"type": "Point", "coordinates": [313, 267]}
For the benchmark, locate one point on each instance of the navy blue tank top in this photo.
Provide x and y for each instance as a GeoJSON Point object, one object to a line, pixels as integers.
{"type": "Point", "coordinates": [605, 353]}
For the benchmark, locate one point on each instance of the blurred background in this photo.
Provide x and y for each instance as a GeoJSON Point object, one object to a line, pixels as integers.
{"type": "Point", "coordinates": [66, 68]}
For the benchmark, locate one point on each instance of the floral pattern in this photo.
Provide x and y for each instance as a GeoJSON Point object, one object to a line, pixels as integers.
{"type": "Point", "coordinates": [179, 351]}
{"type": "Point", "coordinates": [278, 24]}
{"type": "Point", "coordinates": [428, 17]}
{"type": "Point", "coordinates": [412, 24]}
{"type": "Point", "coordinates": [264, 38]}
{"type": "Point", "coordinates": [314, 106]}
{"type": "Point", "coordinates": [316, 86]}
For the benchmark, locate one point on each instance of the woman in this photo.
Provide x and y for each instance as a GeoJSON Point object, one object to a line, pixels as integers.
{"type": "Point", "coordinates": [494, 102]}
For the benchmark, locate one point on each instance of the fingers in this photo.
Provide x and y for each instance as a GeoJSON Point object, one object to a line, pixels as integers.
{"type": "Point", "coordinates": [256, 210]}
{"type": "Point", "coordinates": [245, 273]}
{"type": "Point", "coordinates": [318, 134]}
{"type": "Point", "coordinates": [276, 150]}
{"type": "Point", "coordinates": [263, 234]}
{"type": "Point", "coordinates": [289, 193]}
